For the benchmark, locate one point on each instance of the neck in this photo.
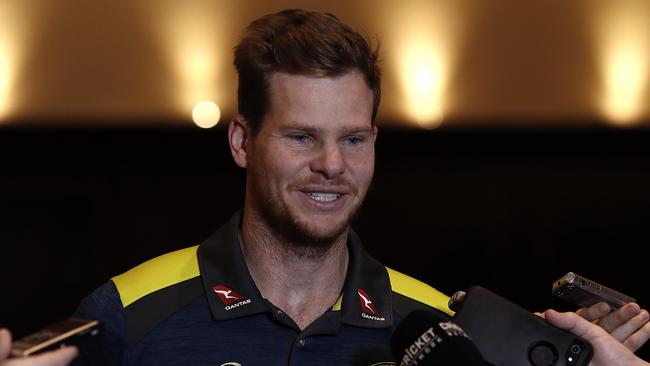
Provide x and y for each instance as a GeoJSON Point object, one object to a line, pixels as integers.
{"type": "Point", "coordinates": [292, 276]}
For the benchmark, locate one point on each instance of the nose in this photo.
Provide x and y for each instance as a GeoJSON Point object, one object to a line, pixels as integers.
{"type": "Point", "coordinates": [329, 161]}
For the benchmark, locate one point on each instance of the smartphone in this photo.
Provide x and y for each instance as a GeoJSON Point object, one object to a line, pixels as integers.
{"type": "Point", "coordinates": [583, 292]}
{"type": "Point", "coordinates": [507, 334]}
{"type": "Point", "coordinates": [71, 331]}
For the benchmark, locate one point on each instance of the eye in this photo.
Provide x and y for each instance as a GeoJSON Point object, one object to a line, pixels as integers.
{"type": "Point", "coordinates": [301, 138]}
{"type": "Point", "coordinates": [354, 140]}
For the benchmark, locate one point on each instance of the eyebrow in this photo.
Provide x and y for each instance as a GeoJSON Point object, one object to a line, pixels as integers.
{"type": "Point", "coordinates": [314, 128]}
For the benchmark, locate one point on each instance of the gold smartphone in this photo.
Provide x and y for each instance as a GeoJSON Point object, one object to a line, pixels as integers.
{"type": "Point", "coordinates": [583, 292]}
{"type": "Point", "coordinates": [71, 331]}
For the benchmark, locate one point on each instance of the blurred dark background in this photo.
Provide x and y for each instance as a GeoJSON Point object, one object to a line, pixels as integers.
{"type": "Point", "coordinates": [511, 210]}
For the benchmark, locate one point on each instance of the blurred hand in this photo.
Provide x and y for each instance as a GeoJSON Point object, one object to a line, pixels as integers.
{"type": "Point", "coordinates": [608, 351]}
{"type": "Point", "coordinates": [629, 324]}
{"type": "Point", "coordinates": [59, 357]}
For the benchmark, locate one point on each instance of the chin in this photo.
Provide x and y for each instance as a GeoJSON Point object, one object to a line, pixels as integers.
{"type": "Point", "coordinates": [319, 231]}
{"type": "Point", "coordinates": [326, 233]}
{"type": "Point", "coordinates": [304, 227]}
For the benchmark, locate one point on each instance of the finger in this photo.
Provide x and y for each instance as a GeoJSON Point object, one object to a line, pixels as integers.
{"type": "Point", "coordinates": [619, 317]}
{"type": "Point", "coordinates": [60, 357]}
{"type": "Point", "coordinates": [5, 343]}
{"type": "Point", "coordinates": [629, 327]}
{"type": "Point", "coordinates": [641, 336]}
{"type": "Point", "coordinates": [574, 324]}
{"type": "Point", "coordinates": [594, 312]}
{"type": "Point", "coordinates": [560, 320]}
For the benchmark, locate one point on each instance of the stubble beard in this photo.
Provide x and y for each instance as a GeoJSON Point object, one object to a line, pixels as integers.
{"type": "Point", "coordinates": [296, 235]}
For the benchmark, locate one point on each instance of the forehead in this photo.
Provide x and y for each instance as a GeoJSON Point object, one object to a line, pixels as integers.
{"type": "Point", "coordinates": [317, 100]}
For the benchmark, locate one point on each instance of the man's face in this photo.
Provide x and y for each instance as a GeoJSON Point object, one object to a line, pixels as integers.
{"type": "Point", "coordinates": [310, 164]}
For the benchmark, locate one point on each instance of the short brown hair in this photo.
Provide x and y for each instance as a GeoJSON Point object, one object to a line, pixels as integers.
{"type": "Point", "coordinates": [300, 42]}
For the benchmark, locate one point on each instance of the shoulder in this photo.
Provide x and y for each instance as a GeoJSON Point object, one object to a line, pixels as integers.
{"type": "Point", "coordinates": [136, 301]}
{"type": "Point", "coordinates": [410, 294]}
{"type": "Point", "coordinates": [156, 274]}
{"type": "Point", "coordinates": [131, 304]}
{"type": "Point", "coordinates": [103, 304]}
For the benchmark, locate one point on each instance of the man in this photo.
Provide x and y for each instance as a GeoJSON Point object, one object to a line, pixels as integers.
{"type": "Point", "coordinates": [285, 281]}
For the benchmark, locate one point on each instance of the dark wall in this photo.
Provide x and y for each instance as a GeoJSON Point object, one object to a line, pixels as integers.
{"type": "Point", "coordinates": [509, 210]}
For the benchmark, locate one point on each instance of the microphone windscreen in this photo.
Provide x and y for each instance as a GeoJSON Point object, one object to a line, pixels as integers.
{"type": "Point", "coordinates": [426, 338]}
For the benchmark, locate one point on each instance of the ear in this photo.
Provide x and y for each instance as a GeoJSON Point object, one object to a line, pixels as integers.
{"type": "Point", "coordinates": [375, 131]}
{"type": "Point", "coordinates": [239, 138]}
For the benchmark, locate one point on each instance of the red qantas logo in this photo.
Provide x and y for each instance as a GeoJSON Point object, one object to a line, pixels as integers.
{"type": "Point", "coordinates": [368, 309]}
{"type": "Point", "coordinates": [366, 303]}
{"type": "Point", "coordinates": [227, 296]}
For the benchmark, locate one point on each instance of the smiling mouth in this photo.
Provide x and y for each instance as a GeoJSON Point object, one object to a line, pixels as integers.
{"type": "Point", "coordinates": [323, 196]}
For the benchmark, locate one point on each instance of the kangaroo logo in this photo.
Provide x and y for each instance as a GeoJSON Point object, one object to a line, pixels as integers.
{"type": "Point", "coordinates": [226, 295]}
{"type": "Point", "coordinates": [366, 303]}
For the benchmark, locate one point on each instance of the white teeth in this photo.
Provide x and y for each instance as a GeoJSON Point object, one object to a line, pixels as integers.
{"type": "Point", "coordinates": [323, 197]}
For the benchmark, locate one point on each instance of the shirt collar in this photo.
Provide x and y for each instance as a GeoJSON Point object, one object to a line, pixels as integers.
{"type": "Point", "coordinates": [232, 293]}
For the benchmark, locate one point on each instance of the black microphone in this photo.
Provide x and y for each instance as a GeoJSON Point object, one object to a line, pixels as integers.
{"type": "Point", "coordinates": [426, 338]}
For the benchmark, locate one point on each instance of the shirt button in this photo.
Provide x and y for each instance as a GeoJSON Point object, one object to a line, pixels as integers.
{"type": "Point", "coordinates": [301, 342]}
{"type": "Point", "coordinates": [279, 312]}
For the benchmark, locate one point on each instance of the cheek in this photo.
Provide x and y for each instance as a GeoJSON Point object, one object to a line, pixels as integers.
{"type": "Point", "coordinates": [363, 168]}
{"type": "Point", "coordinates": [367, 176]}
{"type": "Point", "coordinates": [282, 169]}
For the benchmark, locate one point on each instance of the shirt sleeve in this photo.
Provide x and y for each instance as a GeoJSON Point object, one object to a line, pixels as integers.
{"type": "Point", "coordinates": [108, 348]}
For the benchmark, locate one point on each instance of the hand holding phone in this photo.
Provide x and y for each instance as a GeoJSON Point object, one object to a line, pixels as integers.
{"type": "Point", "coordinates": [72, 331]}
{"type": "Point", "coordinates": [60, 357]}
{"type": "Point", "coordinates": [507, 334]}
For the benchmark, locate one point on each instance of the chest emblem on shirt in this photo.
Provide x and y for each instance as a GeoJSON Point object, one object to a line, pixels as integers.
{"type": "Point", "coordinates": [230, 298]}
{"type": "Point", "coordinates": [368, 308]}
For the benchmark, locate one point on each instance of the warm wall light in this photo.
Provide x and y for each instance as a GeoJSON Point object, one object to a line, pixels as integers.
{"type": "Point", "coordinates": [422, 36]}
{"type": "Point", "coordinates": [17, 22]}
{"type": "Point", "coordinates": [206, 114]}
{"type": "Point", "coordinates": [623, 34]}
{"type": "Point", "coordinates": [197, 68]}
{"type": "Point", "coordinates": [193, 37]}
{"type": "Point", "coordinates": [625, 82]}
{"type": "Point", "coordinates": [9, 52]}
{"type": "Point", "coordinates": [5, 82]}
{"type": "Point", "coordinates": [423, 80]}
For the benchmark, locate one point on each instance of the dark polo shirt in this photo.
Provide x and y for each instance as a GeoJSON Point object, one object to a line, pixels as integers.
{"type": "Point", "coordinates": [200, 306]}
